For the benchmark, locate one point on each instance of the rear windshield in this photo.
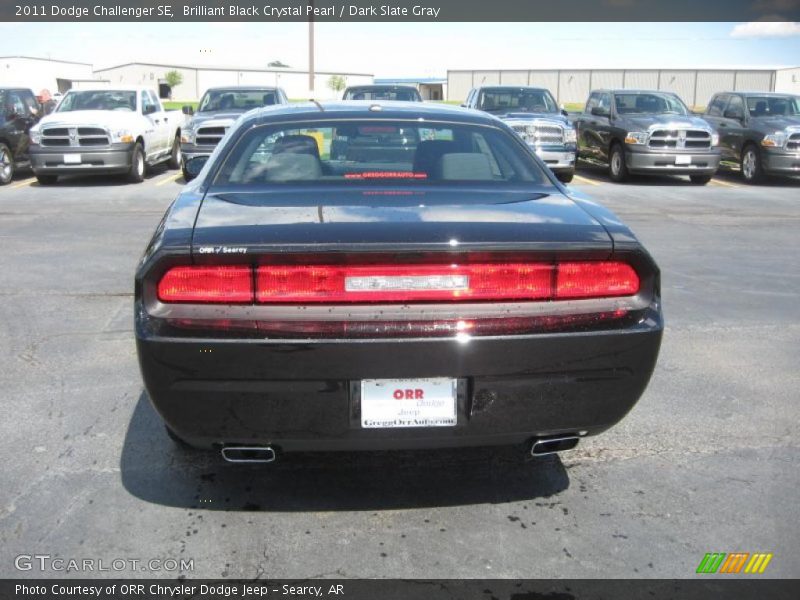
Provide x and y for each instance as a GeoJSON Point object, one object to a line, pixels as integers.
{"type": "Point", "coordinates": [389, 93]}
{"type": "Point", "coordinates": [762, 106]}
{"type": "Point", "coordinates": [649, 104]}
{"type": "Point", "coordinates": [98, 100]}
{"type": "Point", "coordinates": [377, 152]}
{"type": "Point", "coordinates": [521, 100]}
{"type": "Point", "coordinates": [236, 99]}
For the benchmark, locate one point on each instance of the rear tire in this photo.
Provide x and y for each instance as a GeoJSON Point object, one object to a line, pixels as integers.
{"type": "Point", "coordinates": [617, 168]}
{"type": "Point", "coordinates": [136, 172]}
{"type": "Point", "coordinates": [175, 154]}
{"type": "Point", "coordinates": [46, 179]}
{"type": "Point", "coordinates": [186, 176]}
{"type": "Point", "coordinates": [7, 165]}
{"type": "Point", "coordinates": [565, 176]}
{"type": "Point", "coordinates": [700, 179]}
{"type": "Point", "coordinates": [752, 167]}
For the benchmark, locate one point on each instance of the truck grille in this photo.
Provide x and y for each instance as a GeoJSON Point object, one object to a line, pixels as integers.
{"type": "Point", "coordinates": [210, 136]}
{"type": "Point", "coordinates": [680, 139]}
{"type": "Point", "coordinates": [71, 137]}
{"type": "Point", "coordinates": [794, 142]}
{"type": "Point", "coordinates": [540, 134]}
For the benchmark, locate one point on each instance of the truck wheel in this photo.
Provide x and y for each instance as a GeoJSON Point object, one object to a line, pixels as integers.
{"type": "Point", "coordinates": [7, 165]}
{"type": "Point", "coordinates": [186, 175]}
{"type": "Point", "coordinates": [175, 154]}
{"type": "Point", "coordinates": [752, 169]}
{"type": "Point", "coordinates": [46, 179]}
{"type": "Point", "coordinates": [617, 169]}
{"type": "Point", "coordinates": [700, 179]}
{"type": "Point", "coordinates": [565, 176]}
{"type": "Point", "coordinates": [136, 172]}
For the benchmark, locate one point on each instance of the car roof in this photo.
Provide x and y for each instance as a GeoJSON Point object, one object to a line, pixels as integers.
{"type": "Point", "coordinates": [757, 93]}
{"type": "Point", "coordinates": [382, 86]}
{"type": "Point", "coordinates": [513, 87]}
{"type": "Point", "coordinates": [632, 91]}
{"type": "Point", "coordinates": [370, 109]}
{"type": "Point", "coordinates": [242, 88]}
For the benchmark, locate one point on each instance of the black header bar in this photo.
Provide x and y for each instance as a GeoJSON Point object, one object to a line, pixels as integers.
{"type": "Point", "coordinates": [399, 10]}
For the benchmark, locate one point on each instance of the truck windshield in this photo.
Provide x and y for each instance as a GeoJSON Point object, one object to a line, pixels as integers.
{"type": "Point", "coordinates": [764, 106]}
{"type": "Point", "coordinates": [521, 100]}
{"type": "Point", "coordinates": [383, 93]}
{"type": "Point", "coordinates": [98, 100]}
{"type": "Point", "coordinates": [377, 153]}
{"type": "Point", "coordinates": [214, 100]}
{"type": "Point", "coordinates": [649, 103]}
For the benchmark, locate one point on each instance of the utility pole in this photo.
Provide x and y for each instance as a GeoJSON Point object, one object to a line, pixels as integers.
{"type": "Point", "coordinates": [311, 49]}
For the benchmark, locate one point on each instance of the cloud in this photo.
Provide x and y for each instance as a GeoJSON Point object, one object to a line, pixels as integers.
{"type": "Point", "coordinates": [762, 29]}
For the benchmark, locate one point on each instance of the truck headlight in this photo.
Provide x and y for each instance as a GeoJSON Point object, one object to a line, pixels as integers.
{"type": "Point", "coordinates": [36, 136]}
{"type": "Point", "coordinates": [188, 136]}
{"type": "Point", "coordinates": [636, 137]}
{"type": "Point", "coordinates": [715, 139]}
{"type": "Point", "coordinates": [774, 140]}
{"type": "Point", "coordinates": [122, 136]}
{"type": "Point", "coordinates": [570, 136]}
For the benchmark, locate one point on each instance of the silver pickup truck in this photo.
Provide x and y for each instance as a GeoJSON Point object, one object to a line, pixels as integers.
{"type": "Point", "coordinates": [534, 115]}
{"type": "Point", "coordinates": [119, 130]}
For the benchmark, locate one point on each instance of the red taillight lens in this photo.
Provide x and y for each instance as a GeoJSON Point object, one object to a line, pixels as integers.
{"type": "Point", "coordinates": [403, 283]}
{"type": "Point", "coordinates": [595, 280]}
{"type": "Point", "coordinates": [218, 284]}
{"type": "Point", "coordinates": [337, 284]}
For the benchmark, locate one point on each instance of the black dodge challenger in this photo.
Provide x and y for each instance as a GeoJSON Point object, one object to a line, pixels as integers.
{"type": "Point", "coordinates": [358, 276]}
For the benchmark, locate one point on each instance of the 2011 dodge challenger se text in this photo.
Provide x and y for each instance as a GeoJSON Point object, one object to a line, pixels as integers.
{"type": "Point", "coordinates": [359, 276]}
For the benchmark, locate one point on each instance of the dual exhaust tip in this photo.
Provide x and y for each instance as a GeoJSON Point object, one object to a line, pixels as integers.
{"type": "Point", "coordinates": [267, 454]}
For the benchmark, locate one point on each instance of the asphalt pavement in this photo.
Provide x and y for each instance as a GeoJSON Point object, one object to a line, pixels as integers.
{"type": "Point", "coordinates": [706, 462]}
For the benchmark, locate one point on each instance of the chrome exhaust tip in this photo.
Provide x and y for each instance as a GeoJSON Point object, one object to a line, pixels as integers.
{"type": "Point", "coordinates": [552, 445]}
{"type": "Point", "coordinates": [249, 454]}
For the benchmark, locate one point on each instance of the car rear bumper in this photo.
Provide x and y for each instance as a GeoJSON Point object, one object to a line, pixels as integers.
{"type": "Point", "coordinates": [302, 395]}
{"type": "Point", "coordinates": [557, 159]}
{"type": "Point", "coordinates": [701, 163]}
{"type": "Point", "coordinates": [781, 162]}
{"type": "Point", "coordinates": [51, 161]}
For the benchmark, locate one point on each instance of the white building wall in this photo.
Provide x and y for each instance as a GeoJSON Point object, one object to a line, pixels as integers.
{"type": "Point", "coordinates": [758, 81]}
{"type": "Point", "coordinates": [38, 74]}
{"type": "Point", "coordinates": [606, 79]}
{"type": "Point", "coordinates": [150, 75]}
{"type": "Point", "coordinates": [788, 80]}
{"type": "Point", "coordinates": [459, 83]}
{"type": "Point", "coordinates": [711, 82]}
{"type": "Point", "coordinates": [642, 79]}
{"type": "Point", "coordinates": [573, 87]}
{"type": "Point", "coordinates": [514, 77]}
{"type": "Point", "coordinates": [681, 83]}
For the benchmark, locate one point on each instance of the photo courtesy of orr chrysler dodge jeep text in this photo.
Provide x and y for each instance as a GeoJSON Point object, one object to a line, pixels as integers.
{"type": "Point", "coordinates": [392, 275]}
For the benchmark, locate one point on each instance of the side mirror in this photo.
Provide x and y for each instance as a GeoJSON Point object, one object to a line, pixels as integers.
{"type": "Point", "coordinates": [463, 105]}
{"type": "Point", "coordinates": [564, 112]}
{"type": "Point", "coordinates": [599, 111]}
{"type": "Point", "coordinates": [148, 109]}
{"type": "Point", "coordinates": [187, 110]}
{"type": "Point", "coordinates": [733, 114]}
{"type": "Point", "coordinates": [194, 165]}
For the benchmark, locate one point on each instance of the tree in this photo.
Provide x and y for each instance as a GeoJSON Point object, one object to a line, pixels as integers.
{"type": "Point", "coordinates": [336, 83]}
{"type": "Point", "coordinates": [173, 79]}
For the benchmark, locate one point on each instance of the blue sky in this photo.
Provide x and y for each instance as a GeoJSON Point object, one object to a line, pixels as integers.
{"type": "Point", "coordinates": [413, 49]}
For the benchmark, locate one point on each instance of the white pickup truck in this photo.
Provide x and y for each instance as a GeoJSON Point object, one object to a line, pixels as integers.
{"type": "Point", "coordinates": [119, 130]}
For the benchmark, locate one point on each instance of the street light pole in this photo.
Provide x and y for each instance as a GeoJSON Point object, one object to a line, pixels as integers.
{"type": "Point", "coordinates": [311, 49]}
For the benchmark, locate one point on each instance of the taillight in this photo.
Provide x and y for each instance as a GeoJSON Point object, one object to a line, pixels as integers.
{"type": "Point", "coordinates": [217, 284]}
{"type": "Point", "coordinates": [403, 283]}
{"type": "Point", "coordinates": [595, 280]}
{"type": "Point", "coordinates": [365, 284]}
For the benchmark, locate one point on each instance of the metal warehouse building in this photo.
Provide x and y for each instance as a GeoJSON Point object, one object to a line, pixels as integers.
{"type": "Point", "coordinates": [694, 86]}
{"type": "Point", "coordinates": [197, 79]}
{"type": "Point", "coordinates": [42, 73]}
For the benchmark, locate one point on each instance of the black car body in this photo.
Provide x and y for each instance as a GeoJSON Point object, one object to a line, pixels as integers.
{"type": "Point", "coordinates": [646, 132]}
{"type": "Point", "coordinates": [216, 112]}
{"type": "Point", "coordinates": [383, 92]}
{"type": "Point", "coordinates": [759, 132]}
{"type": "Point", "coordinates": [535, 116]}
{"type": "Point", "coordinates": [362, 260]}
{"type": "Point", "coordinates": [19, 111]}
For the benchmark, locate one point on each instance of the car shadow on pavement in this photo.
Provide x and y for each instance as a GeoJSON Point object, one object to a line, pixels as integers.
{"type": "Point", "coordinates": [155, 469]}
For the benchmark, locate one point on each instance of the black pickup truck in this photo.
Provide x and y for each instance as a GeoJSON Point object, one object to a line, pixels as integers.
{"type": "Point", "coordinates": [759, 132]}
{"type": "Point", "coordinates": [646, 132]}
{"type": "Point", "coordinates": [19, 112]}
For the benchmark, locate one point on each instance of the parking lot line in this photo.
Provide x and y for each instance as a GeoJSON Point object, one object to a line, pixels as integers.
{"type": "Point", "coordinates": [23, 183]}
{"type": "Point", "coordinates": [724, 183]}
{"type": "Point", "coordinates": [169, 179]}
{"type": "Point", "coordinates": [587, 180]}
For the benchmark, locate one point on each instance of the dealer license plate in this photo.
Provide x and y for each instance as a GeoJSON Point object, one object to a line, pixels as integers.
{"type": "Point", "coordinates": [387, 403]}
{"type": "Point", "coordinates": [683, 160]}
{"type": "Point", "coordinates": [72, 159]}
